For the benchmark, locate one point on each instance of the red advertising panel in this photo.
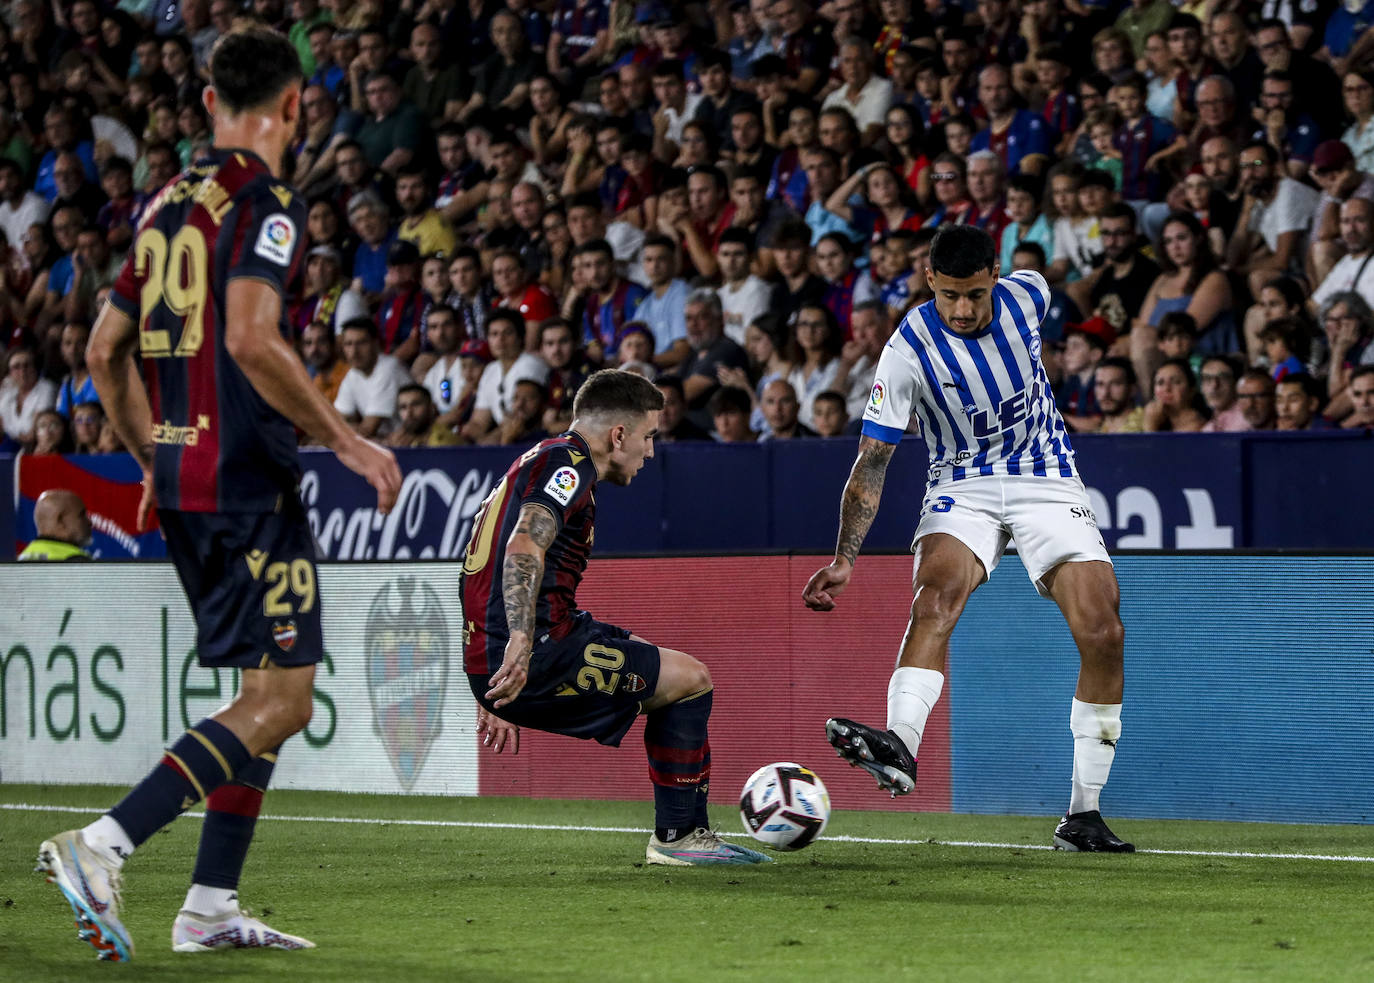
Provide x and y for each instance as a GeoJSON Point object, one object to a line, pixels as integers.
{"type": "Point", "coordinates": [779, 671]}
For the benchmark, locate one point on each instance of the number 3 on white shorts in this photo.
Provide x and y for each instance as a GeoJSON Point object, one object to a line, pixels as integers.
{"type": "Point", "coordinates": [942, 504]}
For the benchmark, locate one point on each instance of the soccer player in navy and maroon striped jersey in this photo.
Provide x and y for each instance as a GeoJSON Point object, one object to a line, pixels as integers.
{"type": "Point", "coordinates": [534, 660]}
{"type": "Point", "coordinates": [200, 298]}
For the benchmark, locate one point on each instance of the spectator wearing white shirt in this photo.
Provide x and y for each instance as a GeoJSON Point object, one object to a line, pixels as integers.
{"type": "Point", "coordinates": [676, 107]}
{"type": "Point", "coordinates": [19, 207]}
{"type": "Point", "coordinates": [870, 325]}
{"type": "Point", "coordinates": [1353, 271]}
{"type": "Point", "coordinates": [743, 296]}
{"type": "Point", "coordinates": [867, 96]}
{"type": "Point", "coordinates": [24, 395]}
{"type": "Point", "coordinates": [367, 395]}
{"type": "Point", "coordinates": [1275, 215]}
{"type": "Point", "coordinates": [663, 309]}
{"type": "Point", "coordinates": [510, 364]}
{"type": "Point", "coordinates": [444, 379]}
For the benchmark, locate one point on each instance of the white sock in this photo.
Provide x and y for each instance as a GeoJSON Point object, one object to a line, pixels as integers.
{"type": "Point", "coordinates": [210, 900]}
{"type": "Point", "coordinates": [107, 838]}
{"type": "Point", "coordinates": [911, 694]}
{"type": "Point", "coordinates": [1096, 728]}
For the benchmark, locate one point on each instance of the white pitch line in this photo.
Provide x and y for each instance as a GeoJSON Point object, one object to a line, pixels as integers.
{"type": "Point", "coordinates": [842, 838]}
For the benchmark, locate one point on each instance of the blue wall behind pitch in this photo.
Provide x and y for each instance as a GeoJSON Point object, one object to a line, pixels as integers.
{"type": "Point", "coordinates": [1249, 692]}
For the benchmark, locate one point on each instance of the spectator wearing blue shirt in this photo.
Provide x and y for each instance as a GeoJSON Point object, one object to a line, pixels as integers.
{"type": "Point", "coordinates": [1292, 132]}
{"type": "Point", "coordinates": [822, 167]}
{"type": "Point", "coordinates": [1021, 138]}
{"type": "Point", "coordinates": [1345, 27]}
{"type": "Point", "coordinates": [370, 219]}
{"type": "Point", "coordinates": [61, 136]}
{"type": "Point", "coordinates": [663, 308]}
{"type": "Point", "coordinates": [77, 387]}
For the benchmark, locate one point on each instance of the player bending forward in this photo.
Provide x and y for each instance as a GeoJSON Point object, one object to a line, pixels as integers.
{"type": "Point", "coordinates": [534, 660]}
{"type": "Point", "coordinates": [967, 365]}
{"type": "Point", "coordinates": [200, 297]}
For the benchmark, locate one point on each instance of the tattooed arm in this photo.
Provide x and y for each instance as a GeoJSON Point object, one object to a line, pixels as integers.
{"type": "Point", "coordinates": [858, 506]}
{"type": "Point", "coordinates": [535, 529]}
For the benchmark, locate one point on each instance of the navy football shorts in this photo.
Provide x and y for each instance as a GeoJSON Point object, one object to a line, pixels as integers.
{"type": "Point", "coordinates": [251, 581]}
{"type": "Point", "coordinates": [588, 685]}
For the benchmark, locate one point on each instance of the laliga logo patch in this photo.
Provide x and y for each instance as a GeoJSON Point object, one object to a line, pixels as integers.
{"type": "Point", "coordinates": [563, 485]}
{"type": "Point", "coordinates": [284, 634]}
{"type": "Point", "coordinates": [275, 240]}
{"type": "Point", "coordinates": [875, 399]}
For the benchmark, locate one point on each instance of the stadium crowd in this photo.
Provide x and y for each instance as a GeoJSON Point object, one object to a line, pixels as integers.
{"type": "Point", "coordinates": [733, 198]}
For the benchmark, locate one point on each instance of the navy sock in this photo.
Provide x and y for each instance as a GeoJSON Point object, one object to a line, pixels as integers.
{"type": "Point", "coordinates": [231, 813]}
{"type": "Point", "coordinates": [679, 765]}
{"type": "Point", "coordinates": [202, 759]}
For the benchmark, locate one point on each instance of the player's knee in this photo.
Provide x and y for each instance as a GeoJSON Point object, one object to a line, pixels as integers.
{"type": "Point", "coordinates": [698, 678]}
{"type": "Point", "coordinates": [1105, 636]}
{"type": "Point", "coordinates": [291, 716]}
{"type": "Point", "coordinates": [936, 608]}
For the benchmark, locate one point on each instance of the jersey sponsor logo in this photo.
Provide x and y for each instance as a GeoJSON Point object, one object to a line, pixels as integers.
{"type": "Point", "coordinates": [875, 398]}
{"type": "Point", "coordinates": [275, 240]}
{"type": "Point", "coordinates": [562, 486]}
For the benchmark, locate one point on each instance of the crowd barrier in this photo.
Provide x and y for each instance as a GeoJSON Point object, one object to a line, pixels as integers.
{"type": "Point", "coordinates": [1249, 684]}
{"type": "Point", "coordinates": [1166, 491]}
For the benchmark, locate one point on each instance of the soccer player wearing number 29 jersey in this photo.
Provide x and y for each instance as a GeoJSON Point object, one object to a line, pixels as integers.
{"type": "Point", "coordinates": [966, 365]}
{"type": "Point", "coordinates": [200, 298]}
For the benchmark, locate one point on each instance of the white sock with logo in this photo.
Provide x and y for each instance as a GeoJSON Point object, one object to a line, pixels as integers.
{"type": "Point", "coordinates": [1096, 728]}
{"type": "Point", "coordinates": [911, 694]}
{"type": "Point", "coordinates": [106, 837]}
{"type": "Point", "coordinates": [211, 900]}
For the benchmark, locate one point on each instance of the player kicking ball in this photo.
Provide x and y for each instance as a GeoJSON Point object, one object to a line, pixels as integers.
{"type": "Point", "coordinates": [534, 660]}
{"type": "Point", "coordinates": [200, 298]}
{"type": "Point", "coordinates": [967, 366]}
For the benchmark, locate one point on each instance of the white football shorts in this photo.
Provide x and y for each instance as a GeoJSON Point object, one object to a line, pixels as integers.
{"type": "Point", "coordinates": [1049, 520]}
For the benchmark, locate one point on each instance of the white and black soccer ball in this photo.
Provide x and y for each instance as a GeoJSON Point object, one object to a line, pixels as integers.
{"type": "Point", "coordinates": [784, 805]}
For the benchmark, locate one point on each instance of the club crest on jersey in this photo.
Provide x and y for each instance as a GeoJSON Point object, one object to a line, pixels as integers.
{"type": "Point", "coordinates": [284, 634]}
{"type": "Point", "coordinates": [875, 398]}
{"type": "Point", "coordinates": [275, 240]}
{"type": "Point", "coordinates": [1035, 347]}
{"type": "Point", "coordinates": [406, 650]}
{"type": "Point", "coordinates": [563, 485]}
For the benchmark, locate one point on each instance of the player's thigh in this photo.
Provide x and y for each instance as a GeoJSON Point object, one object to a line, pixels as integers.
{"type": "Point", "coordinates": [1052, 522]}
{"type": "Point", "coordinates": [252, 586]}
{"type": "Point", "coordinates": [1090, 598]}
{"type": "Point", "coordinates": [968, 512]}
{"type": "Point", "coordinates": [679, 676]}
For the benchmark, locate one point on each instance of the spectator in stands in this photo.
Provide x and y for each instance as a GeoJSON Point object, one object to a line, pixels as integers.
{"type": "Point", "coordinates": [63, 527]}
{"type": "Point", "coordinates": [510, 364]}
{"type": "Point", "coordinates": [610, 301]}
{"type": "Point", "coordinates": [328, 298]}
{"type": "Point", "coordinates": [1085, 345]}
{"type": "Point", "coordinates": [870, 328]}
{"type": "Point", "coordinates": [26, 395]}
{"type": "Point", "coordinates": [814, 352]}
{"type": "Point", "coordinates": [1191, 281]}
{"type": "Point", "coordinates": [568, 370]}
{"type": "Point", "coordinates": [60, 133]}
{"type": "Point", "coordinates": [436, 89]}
{"type": "Point", "coordinates": [829, 414]}
{"type": "Point", "coordinates": [393, 129]}
{"type": "Point", "coordinates": [20, 208]}
{"type": "Point", "coordinates": [1061, 309]}
{"type": "Point", "coordinates": [1176, 406]}
{"type": "Point", "coordinates": [728, 408]}
{"type": "Point", "coordinates": [1285, 346]}
{"type": "Point", "coordinates": [1020, 139]}
{"type": "Point", "coordinates": [743, 296]}
{"type": "Point", "coordinates": [1114, 389]}
{"type": "Point", "coordinates": [673, 423]}
{"type": "Point", "coordinates": [845, 285]}
{"type": "Point", "coordinates": [710, 350]}
{"type": "Point", "coordinates": [88, 423]}
{"type": "Point", "coordinates": [1025, 221]}
{"type": "Point", "coordinates": [418, 420]}
{"type": "Point", "coordinates": [1217, 382]}
{"type": "Point", "coordinates": [1361, 399]}
{"type": "Point", "coordinates": [1349, 326]}
{"type": "Point", "coordinates": [513, 291]}
{"type": "Point", "coordinates": [367, 394]}
{"type": "Point", "coordinates": [1297, 397]}
{"type": "Point", "coordinates": [421, 223]}
{"type": "Point", "coordinates": [1357, 89]}
{"type": "Point", "coordinates": [1118, 288]}
{"type": "Point", "coordinates": [523, 423]}
{"type": "Point", "coordinates": [662, 309]}
{"type": "Point", "coordinates": [444, 378]}
{"type": "Point", "coordinates": [400, 311]}
{"type": "Point", "coordinates": [1352, 271]}
{"type": "Point", "coordinates": [1255, 394]}
{"type": "Point", "coordinates": [370, 219]}
{"type": "Point", "coordinates": [1276, 213]}
{"type": "Point", "coordinates": [781, 410]}
{"type": "Point", "coordinates": [51, 433]}
{"type": "Point", "coordinates": [864, 95]}
{"type": "Point", "coordinates": [320, 355]}
{"type": "Point", "coordinates": [1334, 169]}
{"type": "Point", "coordinates": [796, 283]}
{"type": "Point", "coordinates": [77, 385]}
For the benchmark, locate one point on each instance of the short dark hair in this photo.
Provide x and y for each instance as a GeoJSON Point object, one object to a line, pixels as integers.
{"type": "Point", "coordinates": [251, 66]}
{"type": "Point", "coordinates": [414, 387]}
{"type": "Point", "coordinates": [1032, 247]}
{"type": "Point", "coordinates": [1178, 322]}
{"type": "Point", "coordinates": [729, 399]}
{"type": "Point", "coordinates": [1360, 371]}
{"type": "Point", "coordinates": [1271, 155]}
{"type": "Point", "coordinates": [1311, 386]}
{"type": "Point", "coordinates": [1120, 210]}
{"type": "Point", "coordinates": [961, 251]}
{"type": "Point", "coordinates": [508, 314]}
{"type": "Point", "coordinates": [360, 324]}
{"type": "Point", "coordinates": [1226, 360]}
{"type": "Point", "coordinates": [616, 392]}
{"type": "Point", "coordinates": [831, 396]}
{"type": "Point", "coordinates": [675, 384]}
{"type": "Point", "coordinates": [737, 236]}
{"type": "Point", "coordinates": [1119, 362]}
{"type": "Point", "coordinates": [595, 246]}
{"type": "Point", "coordinates": [670, 68]}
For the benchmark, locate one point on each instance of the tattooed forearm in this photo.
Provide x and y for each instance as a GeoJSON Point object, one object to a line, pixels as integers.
{"type": "Point", "coordinates": [523, 569]}
{"type": "Point", "coordinates": [862, 493]}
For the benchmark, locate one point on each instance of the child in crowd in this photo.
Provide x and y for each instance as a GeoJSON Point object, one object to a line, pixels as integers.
{"type": "Point", "coordinates": [1145, 142]}
{"type": "Point", "coordinates": [1283, 347]}
{"type": "Point", "coordinates": [1178, 338]}
{"type": "Point", "coordinates": [1102, 129]}
{"type": "Point", "coordinates": [1024, 192]}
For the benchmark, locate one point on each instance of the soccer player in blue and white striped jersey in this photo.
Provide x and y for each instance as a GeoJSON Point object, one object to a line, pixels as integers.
{"type": "Point", "coordinates": [966, 367]}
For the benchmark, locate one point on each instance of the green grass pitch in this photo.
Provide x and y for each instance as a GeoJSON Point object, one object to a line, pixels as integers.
{"type": "Point", "coordinates": [415, 902]}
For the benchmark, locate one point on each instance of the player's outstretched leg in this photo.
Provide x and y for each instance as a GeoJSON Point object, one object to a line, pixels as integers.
{"type": "Point", "coordinates": [680, 769]}
{"type": "Point", "coordinates": [211, 918]}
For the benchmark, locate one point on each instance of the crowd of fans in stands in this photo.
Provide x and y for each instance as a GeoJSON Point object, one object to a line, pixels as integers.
{"type": "Point", "coordinates": [734, 198]}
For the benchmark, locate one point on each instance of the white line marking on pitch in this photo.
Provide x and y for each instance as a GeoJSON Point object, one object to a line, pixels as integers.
{"type": "Point", "coordinates": [559, 827]}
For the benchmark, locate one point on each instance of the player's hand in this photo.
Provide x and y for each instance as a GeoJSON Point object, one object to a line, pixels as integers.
{"type": "Point", "coordinates": [497, 733]}
{"type": "Point", "coordinates": [509, 680]}
{"type": "Point", "coordinates": [378, 465]}
{"type": "Point", "coordinates": [826, 584]}
{"type": "Point", "coordinates": [146, 504]}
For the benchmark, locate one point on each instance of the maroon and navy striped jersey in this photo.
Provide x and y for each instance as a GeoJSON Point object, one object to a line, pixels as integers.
{"type": "Point", "coordinates": [558, 474]}
{"type": "Point", "coordinates": [219, 446]}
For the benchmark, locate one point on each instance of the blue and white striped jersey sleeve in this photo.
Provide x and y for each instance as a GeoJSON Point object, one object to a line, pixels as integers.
{"type": "Point", "coordinates": [1036, 300]}
{"type": "Point", "coordinates": [895, 387]}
